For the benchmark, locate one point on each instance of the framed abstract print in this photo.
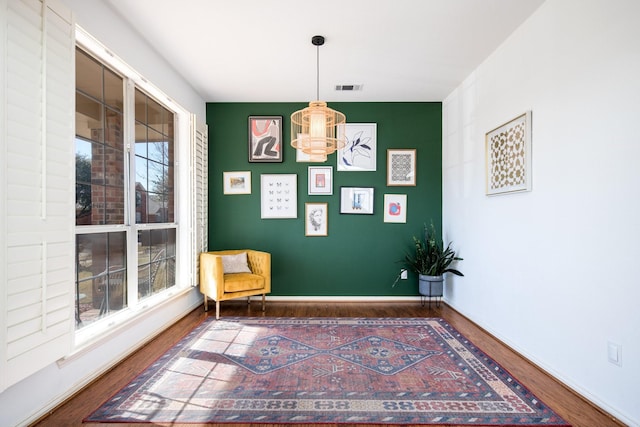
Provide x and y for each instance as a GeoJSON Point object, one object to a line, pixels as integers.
{"type": "Point", "coordinates": [320, 180]}
{"type": "Point", "coordinates": [265, 139]}
{"type": "Point", "coordinates": [395, 208]}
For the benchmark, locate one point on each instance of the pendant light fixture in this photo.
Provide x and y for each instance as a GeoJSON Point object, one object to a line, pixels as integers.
{"type": "Point", "coordinates": [313, 129]}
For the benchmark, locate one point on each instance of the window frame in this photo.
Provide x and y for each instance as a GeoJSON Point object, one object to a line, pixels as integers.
{"type": "Point", "coordinates": [182, 201]}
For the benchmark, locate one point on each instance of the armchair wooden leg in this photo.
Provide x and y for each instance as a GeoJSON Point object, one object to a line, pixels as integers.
{"type": "Point", "coordinates": [263, 307]}
{"type": "Point", "coordinates": [206, 306]}
{"type": "Point", "coordinates": [248, 300]}
{"type": "Point", "coordinates": [217, 310]}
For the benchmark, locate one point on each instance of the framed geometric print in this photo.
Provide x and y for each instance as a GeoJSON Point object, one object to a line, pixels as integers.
{"type": "Point", "coordinates": [508, 157]}
{"type": "Point", "coordinates": [401, 167]}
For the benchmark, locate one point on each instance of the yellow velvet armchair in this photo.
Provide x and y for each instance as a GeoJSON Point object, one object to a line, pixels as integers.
{"type": "Point", "coordinates": [240, 278]}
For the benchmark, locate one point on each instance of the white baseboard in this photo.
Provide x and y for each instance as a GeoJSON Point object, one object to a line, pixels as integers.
{"type": "Point", "coordinates": [320, 298]}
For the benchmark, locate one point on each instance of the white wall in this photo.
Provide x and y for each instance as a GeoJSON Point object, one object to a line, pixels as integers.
{"type": "Point", "coordinates": [26, 401]}
{"type": "Point", "coordinates": [554, 272]}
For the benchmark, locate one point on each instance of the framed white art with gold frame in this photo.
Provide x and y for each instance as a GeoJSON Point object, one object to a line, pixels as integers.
{"type": "Point", "coordinates": [401, 167]}
{"type": "Point", "coordinates": [315, 219]}
{"type": "Point", "coordinates": [508, 157]}
{"type": "Point", "coordinates": [237, 182]}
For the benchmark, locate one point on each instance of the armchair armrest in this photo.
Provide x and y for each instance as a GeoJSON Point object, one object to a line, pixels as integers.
{"type": "Point", "coordinates": [260, 263]}
{"type": "Point", "coordinates": [211, 275]}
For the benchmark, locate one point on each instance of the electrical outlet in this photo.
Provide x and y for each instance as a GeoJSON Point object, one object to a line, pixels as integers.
{"type": "Point", "coordinates": [403, 274]}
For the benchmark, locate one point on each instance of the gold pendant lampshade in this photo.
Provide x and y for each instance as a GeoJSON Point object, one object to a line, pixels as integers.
{"type": "Point", "coordinates": [313, 129]}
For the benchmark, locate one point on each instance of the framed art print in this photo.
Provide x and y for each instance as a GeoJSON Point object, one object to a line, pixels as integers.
{"type": "Point", "coordinates": [237, 182]}
{"type": "Point", "coordinates": [401, 167]}
{"type": "Point", "coordinates": [320, 180]}
{"type": "Point", "coordinates": [265, 138]}
{"type": "Point", "coordinates": [508, 156]}
{"type": "Point", "coordinates": [278, 196]}
{"type": "Point", "coordinates": [315, 215]}
{"type": "Point", "coordinates": [356, 200]}
{"type": "Point", "coordinates": [395, 208]}
{"type": "Point", "coordinates": [359, 153]}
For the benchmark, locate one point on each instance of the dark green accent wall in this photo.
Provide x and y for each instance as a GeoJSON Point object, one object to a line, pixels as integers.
{"type": "Point", "coordinates": [359, 256]}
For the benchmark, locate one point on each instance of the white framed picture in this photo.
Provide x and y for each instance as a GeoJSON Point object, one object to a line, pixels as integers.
{"type": "Point", "coordinates": [236, 182]}
{"type": "Point", "coordinates": [395, 208]}
{"type": "Point", "coordinates": [278, 196]}
{"type": "Point", "coordinates": [316, 217]}
{"type": "Point", "coordinates": [359, 153]}
{"type": "Point", "coordinates": [320, 180]}
{"type": "Point", "coordinates": [508, 157]}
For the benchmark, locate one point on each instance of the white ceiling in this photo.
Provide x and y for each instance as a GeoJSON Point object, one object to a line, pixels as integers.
{"type": "Point", "coordinates": [261, 51]}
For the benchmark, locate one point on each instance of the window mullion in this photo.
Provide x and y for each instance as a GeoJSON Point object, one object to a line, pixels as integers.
{"type": "Point", "coordinates": [130, 203]}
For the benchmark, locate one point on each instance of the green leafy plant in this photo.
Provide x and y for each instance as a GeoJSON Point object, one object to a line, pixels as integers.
{"type": "Point", "coordinates": [430, 257]}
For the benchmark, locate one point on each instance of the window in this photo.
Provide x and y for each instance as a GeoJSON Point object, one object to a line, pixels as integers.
{"type": "Point", "coordinates": [126, 228]}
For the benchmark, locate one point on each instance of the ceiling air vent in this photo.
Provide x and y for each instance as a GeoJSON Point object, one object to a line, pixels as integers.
{"type": "Point", "coordinates": [348, 87]}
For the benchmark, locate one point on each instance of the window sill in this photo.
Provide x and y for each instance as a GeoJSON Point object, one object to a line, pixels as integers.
{"type": "Point", "coordinates": [97, 335]}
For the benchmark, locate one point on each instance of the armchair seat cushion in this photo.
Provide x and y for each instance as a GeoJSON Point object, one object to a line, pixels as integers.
{"type": "Point", "coordinates": [238, 282]}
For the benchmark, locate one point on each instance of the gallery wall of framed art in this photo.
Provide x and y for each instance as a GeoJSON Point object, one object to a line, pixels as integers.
{"type": "Point", "coordinates": [361, 211]}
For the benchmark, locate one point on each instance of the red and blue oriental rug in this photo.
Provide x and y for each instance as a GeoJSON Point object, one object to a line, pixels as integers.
{"type": "Point", "coordinates": [410, 371]}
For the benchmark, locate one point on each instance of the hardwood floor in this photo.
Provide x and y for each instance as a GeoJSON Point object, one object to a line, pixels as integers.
{"type": "Point", "coordinates": [574, 409]}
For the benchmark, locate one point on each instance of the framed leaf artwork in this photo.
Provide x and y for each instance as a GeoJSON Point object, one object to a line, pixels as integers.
{"type": "Point", "coordinates": [359, 153]}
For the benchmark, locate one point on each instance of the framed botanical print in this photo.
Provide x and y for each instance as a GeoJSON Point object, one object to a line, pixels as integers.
{"type": "Point", "coordinates": [265, 138]}
{"type": "Point", "coordinates": [320, 180]}
{"type": "Point", "coordinates": [401, 167]}
{"type": "Point", "coordinates": [508, 156]}
{"type": "Point", "coordinates": [359, 153]}
{"type": "Point", "coordinates": [315, 215]}
{"type": "Point", "coordinates": [356, 200]}
{"type": "Point", "coordinates": [237, 182]}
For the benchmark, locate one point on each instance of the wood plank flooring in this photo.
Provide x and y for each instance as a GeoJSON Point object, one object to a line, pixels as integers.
{"type": "Point", "coordinates": [573, 408]}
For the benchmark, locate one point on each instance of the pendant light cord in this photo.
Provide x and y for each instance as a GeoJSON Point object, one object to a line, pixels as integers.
{"type": "Point", "coordinates": [317, 73]}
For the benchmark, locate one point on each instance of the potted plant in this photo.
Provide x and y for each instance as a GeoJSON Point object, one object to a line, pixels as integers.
{"type": "Point", "coordinates": [430, 260]}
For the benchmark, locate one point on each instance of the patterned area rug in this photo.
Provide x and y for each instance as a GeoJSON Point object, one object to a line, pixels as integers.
{"type": "Point", "coordinates": [326, 370]}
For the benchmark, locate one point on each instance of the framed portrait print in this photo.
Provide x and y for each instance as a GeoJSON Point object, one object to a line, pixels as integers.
{"type": "Point", "coordinates": [265, 138]}
{"type": "Point", "coordinates": [320, 180]}
{"type": "Point", "coordinates": [401, 167]}
{"type": "Point", "coordinates": [315, 215]}
{"type": "Point", "coordinates": [237, 182]}
{"type": "Point", "coordinates": [359, 154]}
{"type": "Point", "coordinates": [508, 157]}
{"type": "Point", "coordinates": [395, 208]}
{"type": "Point", "coordinates": [278, 196]}
{"type": "Point", "coordinates": [356, 200]}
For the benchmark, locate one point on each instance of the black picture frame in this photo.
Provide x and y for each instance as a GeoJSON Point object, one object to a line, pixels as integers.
{"type": "Point", "coordinates": [265, 139]}
{"type": "Point", "coordinates": [356, 200]}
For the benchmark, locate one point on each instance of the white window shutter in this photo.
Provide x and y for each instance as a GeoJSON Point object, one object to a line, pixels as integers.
{"type": "Point", "coordinates": [36, 186]}
{"type": "Point", "coordinates": [200, 194]}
